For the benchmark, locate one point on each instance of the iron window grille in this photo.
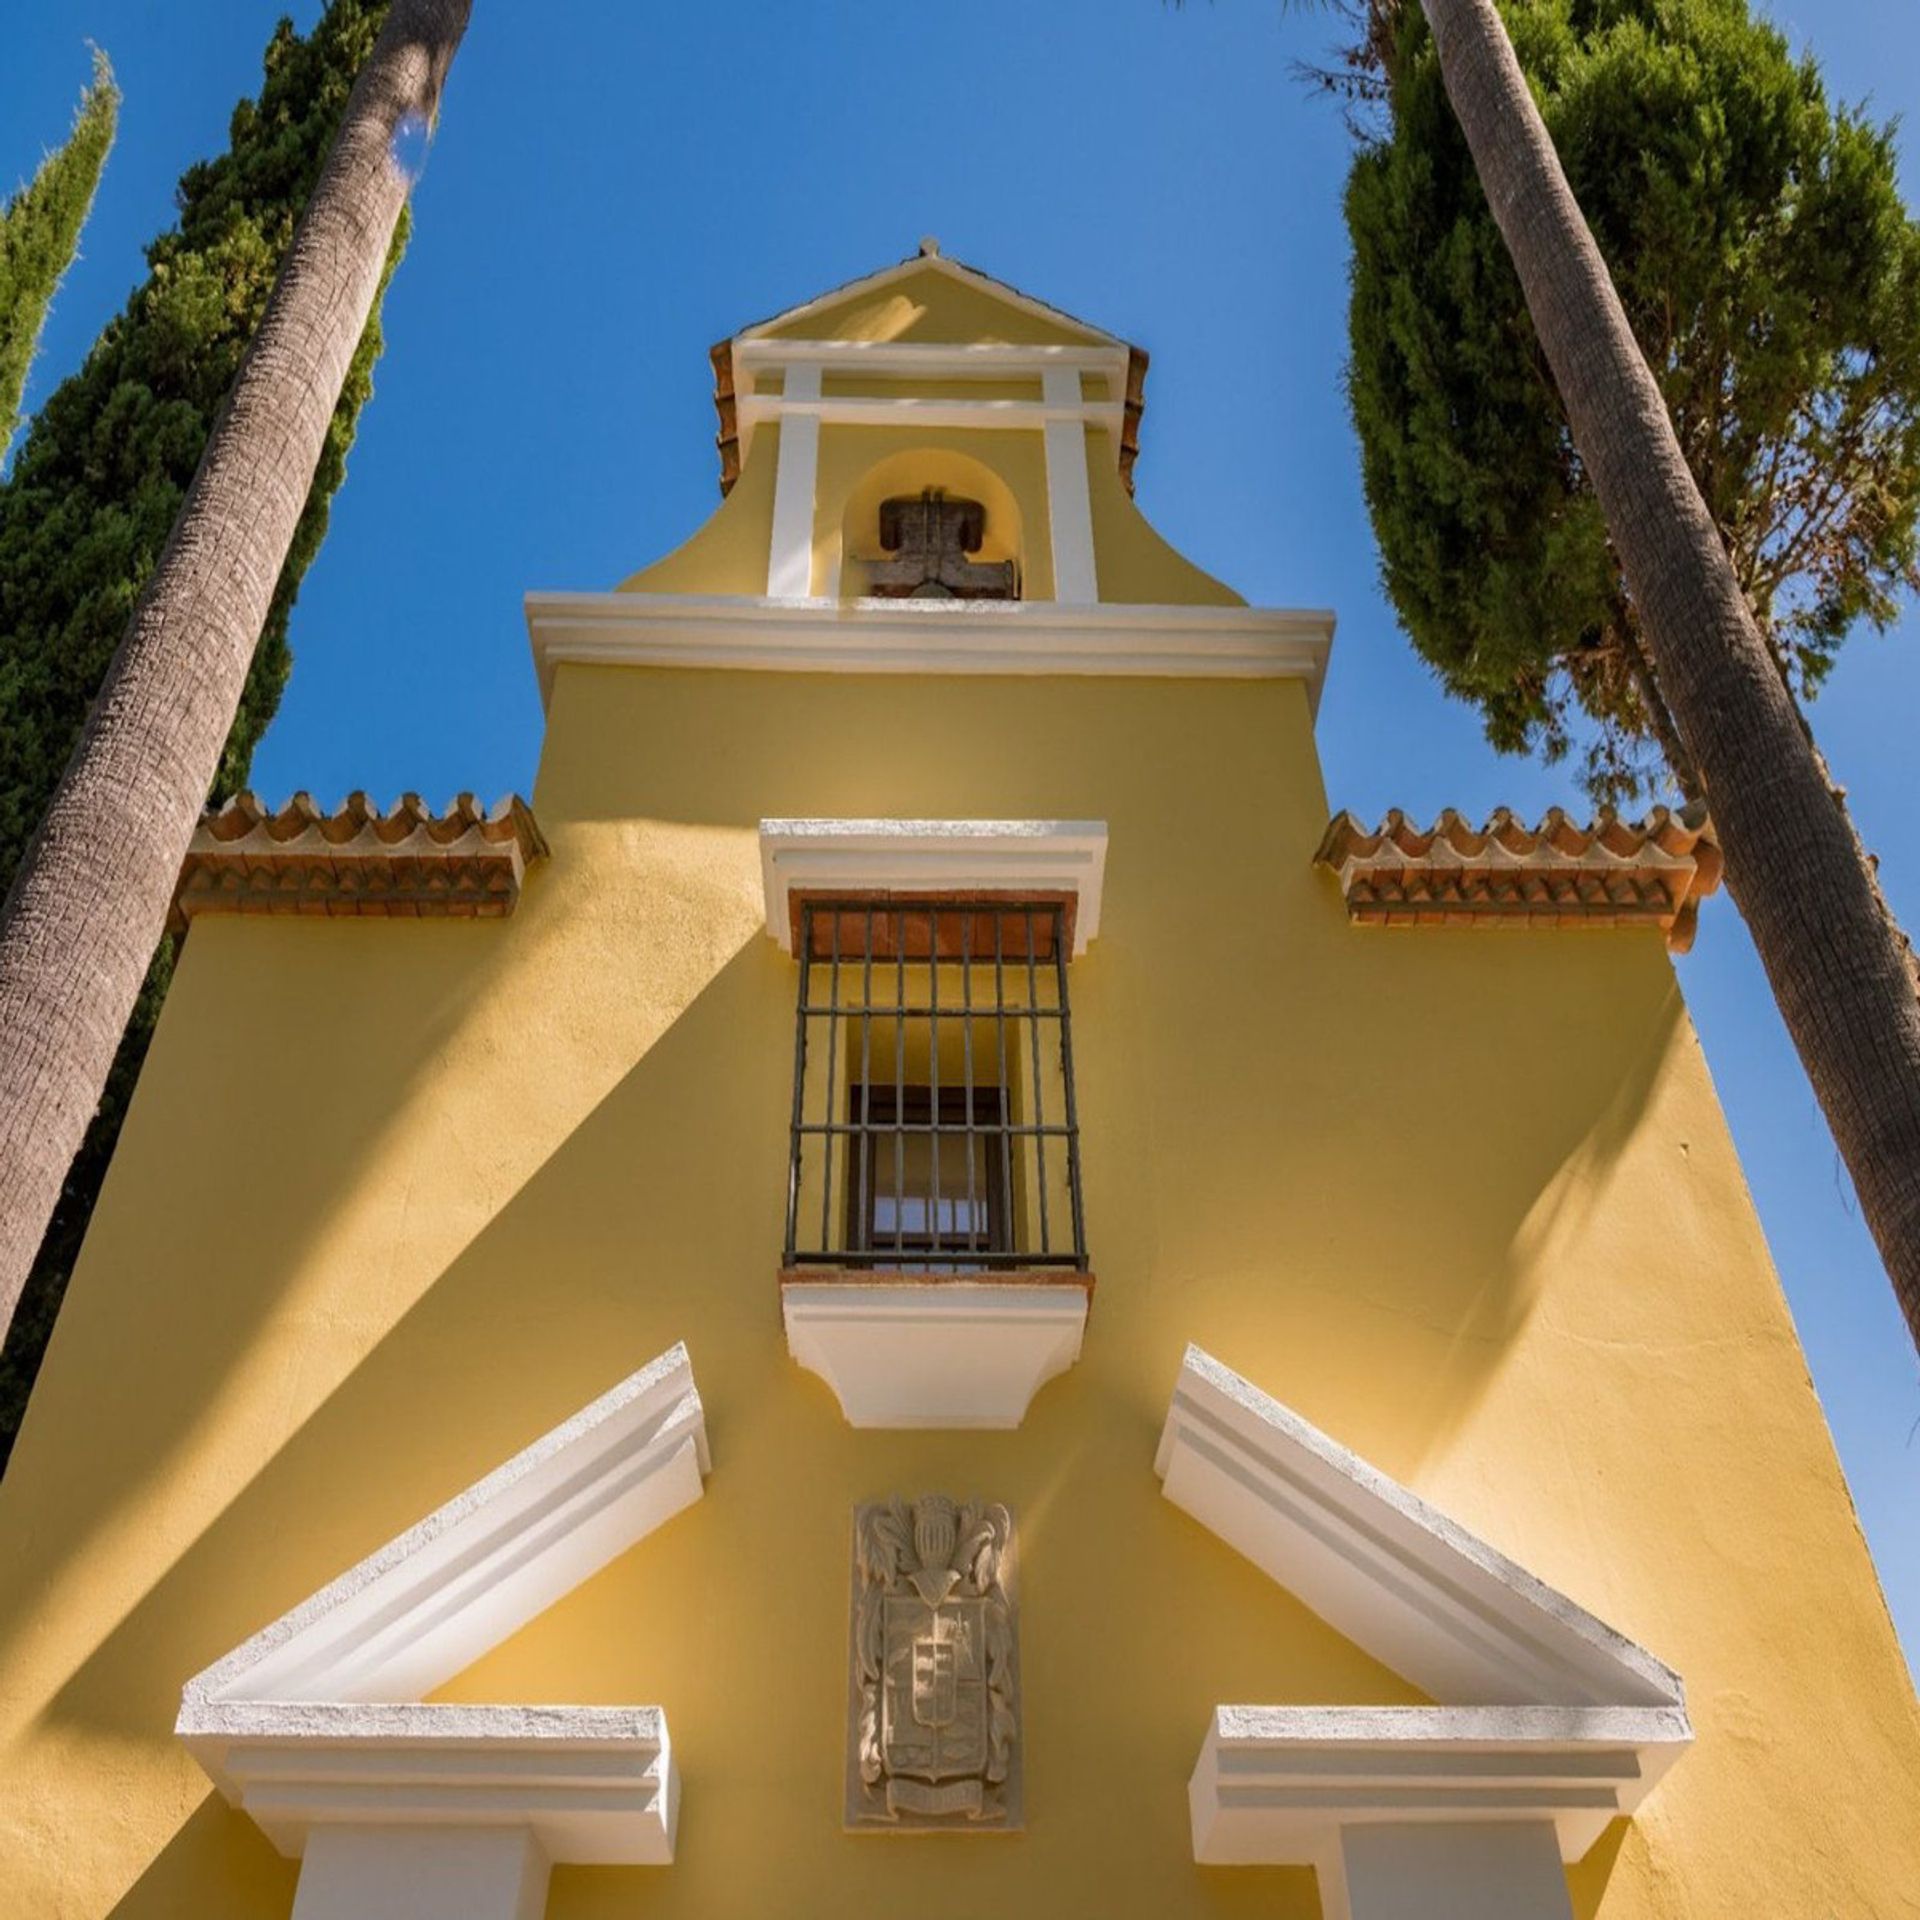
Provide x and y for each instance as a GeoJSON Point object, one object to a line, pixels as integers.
{"type": "Point", "coordinates": [934, 1125]}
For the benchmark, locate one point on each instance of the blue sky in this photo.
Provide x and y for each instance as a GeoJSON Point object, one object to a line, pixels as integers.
{"type": "Point", "coordinates": [617, 186]}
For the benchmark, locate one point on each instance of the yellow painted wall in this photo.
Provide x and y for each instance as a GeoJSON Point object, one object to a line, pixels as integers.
{"type": "Point", "coordinates": [728, 552]}
{"type": "Point", "coordinates": [849, 386]}
{"type": "Point", "coordinates": [1131, 561]}
{"type": "Point", "coordinates": [396, 1197]}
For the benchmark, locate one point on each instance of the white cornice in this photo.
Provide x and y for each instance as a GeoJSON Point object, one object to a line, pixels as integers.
{"type": "Point", "coordinates": [1547, 1713]}
{"type": "Point", "coordinates": [951, 857]}
{"type": "Point", "coordinates": [752, 633]}
{"type": "Point", "coordinates": [921, 411]}
{"type": "Point", "coordinates": [1272, 1781]}
{"type": "Point", "coordinates": [317, 1719]}
{"type": "Point", "coordinates": [596, 1786]}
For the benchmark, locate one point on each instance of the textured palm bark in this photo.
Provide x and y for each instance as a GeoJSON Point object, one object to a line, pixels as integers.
{"type": "Point", "coordinates": [90, 899]}
{"type": "Point", "coordinates": [1836, 960]}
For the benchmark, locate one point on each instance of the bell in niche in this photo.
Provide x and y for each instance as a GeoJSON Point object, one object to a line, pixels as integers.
{"type": "Point", "coordinates": [925, 539]}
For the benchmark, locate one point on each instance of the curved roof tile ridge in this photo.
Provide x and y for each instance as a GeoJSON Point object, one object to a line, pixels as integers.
{"type": "Point", "coordinates": [466, 861]}
{"type": "Point", "coordinates": [1608, 872]}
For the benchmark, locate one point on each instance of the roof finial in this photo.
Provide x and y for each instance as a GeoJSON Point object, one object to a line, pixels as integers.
{"type": "Point", "coordinates": [929, 247]}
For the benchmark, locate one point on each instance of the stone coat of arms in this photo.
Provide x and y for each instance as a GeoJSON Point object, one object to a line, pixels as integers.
{"type": "Point", "coordinates": [935, 1700]}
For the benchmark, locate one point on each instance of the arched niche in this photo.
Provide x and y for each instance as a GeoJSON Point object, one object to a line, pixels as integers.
{"type": "Point", "coordinates": [912, 472]}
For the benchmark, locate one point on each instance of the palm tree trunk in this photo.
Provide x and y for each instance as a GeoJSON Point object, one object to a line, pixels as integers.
{"type": "Point", "coordinates": [90, 899]}
{"type": "Point", "coordinates": [1835, 959]}
{"type": "Point", "coordinates": [1659, 715]}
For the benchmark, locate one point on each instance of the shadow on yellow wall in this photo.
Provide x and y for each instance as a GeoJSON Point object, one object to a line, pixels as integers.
{"type": "Point", "coordinates": [556, 1146]}
{"type": "Point", "coordinates": [553, 1297]}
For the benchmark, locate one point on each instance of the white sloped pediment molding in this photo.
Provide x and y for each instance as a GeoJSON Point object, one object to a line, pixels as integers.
{"type": "Point", "coordinates": [317, 1727]}
{"type": "Point", "coordinates": [1546, 1715]}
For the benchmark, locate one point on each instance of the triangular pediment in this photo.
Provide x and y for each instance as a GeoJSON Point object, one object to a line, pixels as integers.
{"type": "Point", "coordinates": [323, 1717]}
{"type": "Point", "coordinates": [930, 300]}
{"type": "Point", "coordinates": [1543, 1711]}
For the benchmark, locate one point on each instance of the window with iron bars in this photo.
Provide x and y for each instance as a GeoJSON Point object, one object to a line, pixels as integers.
{"type": "Point", "coordinates": [934, 1126]}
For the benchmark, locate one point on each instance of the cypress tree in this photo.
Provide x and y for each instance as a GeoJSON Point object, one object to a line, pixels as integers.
{"type": "Point", "coordinates": [40, 233]}
{"type": "Point", "coordinates": [1770, 271]}
{"type": "Point", "coordinates": [95, 490]}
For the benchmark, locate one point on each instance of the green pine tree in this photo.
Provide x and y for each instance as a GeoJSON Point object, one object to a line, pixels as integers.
{"type": "Point", "coordinates": [1771, 274]}
{"type": "Point", "coordinates": [40, 233]}
{"type": "Point", "coordinates": [94, 493]}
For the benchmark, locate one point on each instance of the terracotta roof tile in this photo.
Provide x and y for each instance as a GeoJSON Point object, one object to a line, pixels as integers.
{"type": "Point", "coordinates": [1610, 873]}
{"type": "Point", "coordinates": [408, 862]}
{"type": "Point", "coordinates": [726, 405]}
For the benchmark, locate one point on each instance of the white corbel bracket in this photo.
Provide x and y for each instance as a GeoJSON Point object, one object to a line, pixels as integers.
{"type": "Point", "coordinates": [937, 1352]}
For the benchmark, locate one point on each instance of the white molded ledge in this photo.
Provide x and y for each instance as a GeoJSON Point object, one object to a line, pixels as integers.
{"type": "Point", "coordinates": [1547, 1715]}
{"type": "Point", "coordinates": [317, 1722]}
{"type": "Point", "coordinates": [770, 634]}
{"type": "Point", "coordinates": [935, 1352]}
{"type": "Point", "coordinates": [1037, 857]}
{"type": "Point", "coordinates": [1273, 1783]}
{"type": "Point", "coordinates": [595, 1786]}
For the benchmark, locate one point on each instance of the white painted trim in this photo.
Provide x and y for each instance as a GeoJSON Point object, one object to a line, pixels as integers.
{"type": "Point", "coordinates": [920, 411]}
{"type": "Point", "coordinates": [755, 351]}
{"type": "Point", "coordinates": [431, 1602]}
{"type": "Point", "coordinates": [1547, 1713]}
{"type": "Point", "coordinates": [802, 363]}
{"type": "Point", "coordinates": [937, 1353]}
{"type": "Point", "coordinates": [928, 360]}
{"type": "Point", "coordinates": [933, 857]}
{"type": "Point", "coordinates": [739, 632]}
{"type": "Point", "coordinates": [330, 1692]}
{"type": "Point", "coordinates": [1069, 505]}
{"type": "Point", "coordinates": [790, 552]}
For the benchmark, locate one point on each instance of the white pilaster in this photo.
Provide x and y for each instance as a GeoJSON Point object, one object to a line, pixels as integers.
{"type": "Point", "coordinates": [1069, 508]}
{"type": "Point", "coordinates": [790, 555]}
{"type": "Point", "coordinates": [1463, 1872]}
{"type": "Point", "coordinates": [422, 1873]}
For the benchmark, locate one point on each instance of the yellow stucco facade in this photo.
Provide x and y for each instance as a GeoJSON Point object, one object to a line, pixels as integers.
{"type": "Point", "coordinates": [398, 1195]}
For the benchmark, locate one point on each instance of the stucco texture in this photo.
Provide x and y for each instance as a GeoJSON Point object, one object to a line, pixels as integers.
{"type": "Point", "coordinates": [396, 1197]}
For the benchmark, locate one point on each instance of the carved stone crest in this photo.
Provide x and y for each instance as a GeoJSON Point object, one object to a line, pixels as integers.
{"type": "Point", "coordinates": [925, 542]}
{"type": "Point", "coordinates": [934, 1710]}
